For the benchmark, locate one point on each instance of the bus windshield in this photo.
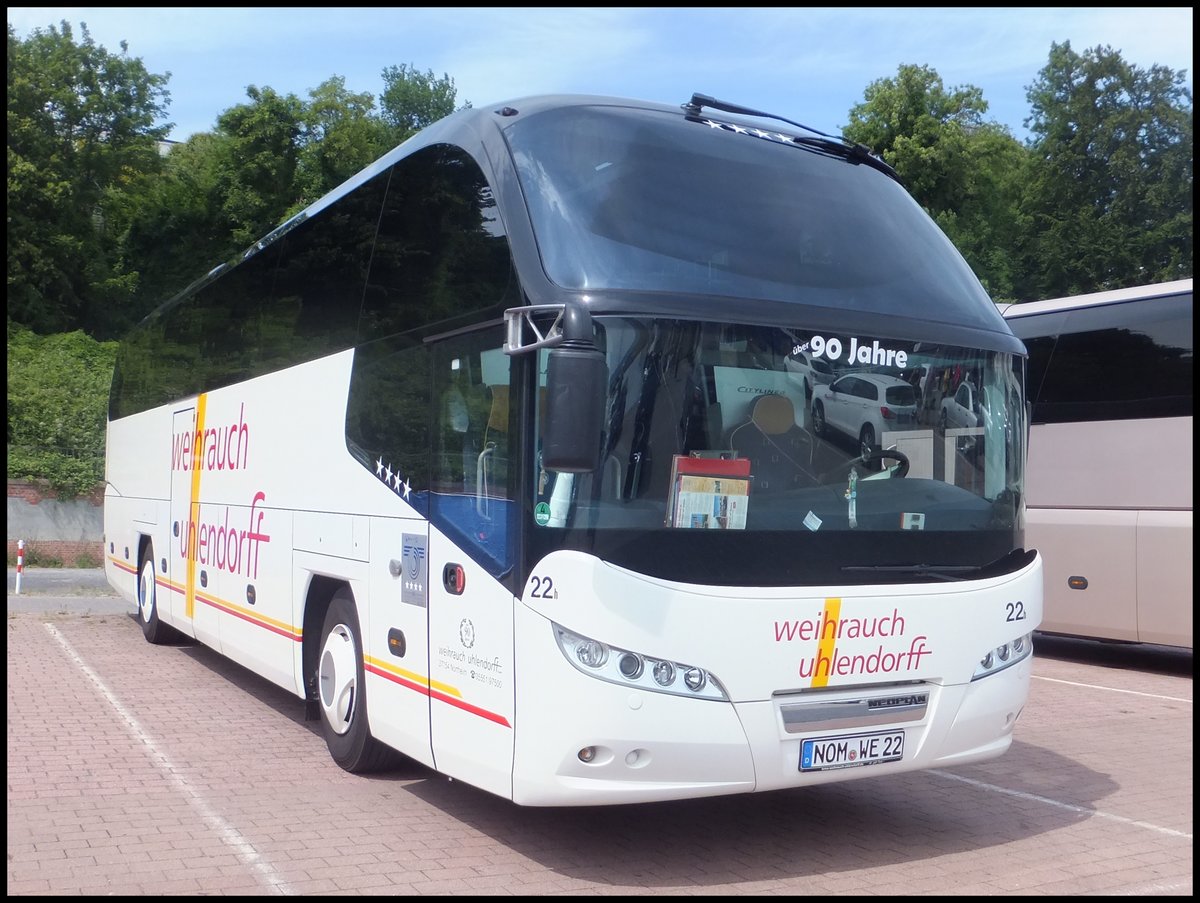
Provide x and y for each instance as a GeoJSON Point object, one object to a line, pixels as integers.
{"type": "Point", "coordinates": [893, 456]}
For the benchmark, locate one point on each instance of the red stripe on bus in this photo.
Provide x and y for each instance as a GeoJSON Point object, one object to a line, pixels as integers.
{"type": "Point", "coordinates": [222, 606]}
{"type": "Point", "coordinates": [441, 697]}
{"type": "Point", "coordinates": [122, 566]}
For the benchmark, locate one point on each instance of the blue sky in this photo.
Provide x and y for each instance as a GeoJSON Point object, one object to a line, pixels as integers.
{"type": "Point", "coordinates": [811, 65]}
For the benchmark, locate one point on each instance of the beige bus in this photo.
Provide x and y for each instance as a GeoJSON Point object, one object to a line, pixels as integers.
{"type": "Point", "coordinates": [1109, 481]}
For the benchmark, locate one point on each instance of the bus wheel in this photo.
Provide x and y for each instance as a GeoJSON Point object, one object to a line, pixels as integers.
{"type": "Point", "coordinates": [341, 690]}
{"type": "Point", "coordinates": [153, 629]}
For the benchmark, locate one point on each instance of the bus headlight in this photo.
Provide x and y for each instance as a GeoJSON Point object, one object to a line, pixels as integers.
{"type": "Point", "coordinates": [664, 674]}
{"type": "Point", "coordinates": [636, 669]}
{"type": "Point", "coordinates": [591, 653]}
{"type": "Point", "coordinates": [1004, 656]}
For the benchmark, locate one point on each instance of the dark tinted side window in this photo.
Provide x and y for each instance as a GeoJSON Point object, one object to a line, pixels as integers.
{"type": "Point", "coordinates": [319, 283]}
{"type": "Point", "coordinates": [441, 255]}
{"type": "Point", "coordinates": [1114, 362]}
{"type": "Point", "coordinates": [294, 297]}
{"type": "Point", "coordinates": [199, 341]}
{"type": "Point", "coordinates": [441, 259]}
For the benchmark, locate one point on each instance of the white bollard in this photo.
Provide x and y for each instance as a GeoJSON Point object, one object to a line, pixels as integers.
{"type": "Point", "coordinates": [20, 563]}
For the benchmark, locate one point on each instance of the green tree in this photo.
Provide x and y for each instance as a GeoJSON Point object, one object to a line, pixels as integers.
{"type": "Point", "coordinates": [965, 171]}
{"type": "Point", "coordinates": [81, 135]}
{"type": "Point", "coordinates": [218, 193]}
{"type": "Point", "coordinates": [178, 231]}
{"type": "Point", "coordinates": [1110, 198]}
{"type": "Point", "coordinates": [342, 136]}
{"type": "Point", "coordinates": [412, 100]}
{"type": "Point", "coordinates": [256, 181]}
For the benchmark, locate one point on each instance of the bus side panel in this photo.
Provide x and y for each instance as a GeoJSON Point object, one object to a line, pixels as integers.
{"type": "Point", "coordinates": [397, 641]}
{"type": "Point", "coordinates": [1134, 464]}
{"type": "Point", "coordinates": [123, 529]}
{"type": "Point", "coordinates": [1111, 501]}
{"type": "Point", "coordinates": [135, 496]}
{"type": "Point", "coordinates": [1164, 577]}
{"type": "Point", "coordinates": [1098, 546]}
{"type": "Point", "coordinates": [471, 671]}
{"type": "Point", "coordinates": [257, 627]}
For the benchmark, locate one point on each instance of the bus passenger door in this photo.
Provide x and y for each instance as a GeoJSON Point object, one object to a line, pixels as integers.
{"type": "Point", "coordinates": [185, 599]}
{"type": "Point", "coordinates": [472, 697]}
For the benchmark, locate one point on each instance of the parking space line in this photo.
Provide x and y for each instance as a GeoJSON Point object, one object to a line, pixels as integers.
{"type": "Point", "coordinates": [1072, 683]}
{"type": "Point", "coordinates": [243, 849]}
{"type": "Point", "coordinates": [1170, 832]}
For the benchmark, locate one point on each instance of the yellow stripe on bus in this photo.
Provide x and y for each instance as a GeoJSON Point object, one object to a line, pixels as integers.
{"type": "Point", "coordinates": [833, 610]}
{"type": "Point", "coordinates": [194, 507]}
{"type": "Point", "coordinates": [412, 676]}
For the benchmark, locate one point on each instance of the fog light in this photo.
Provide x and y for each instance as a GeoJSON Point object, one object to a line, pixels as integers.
{"type": "Point", "coordinates": [587, 754]}
{"type": "Point", "coordinates": [664, 674]}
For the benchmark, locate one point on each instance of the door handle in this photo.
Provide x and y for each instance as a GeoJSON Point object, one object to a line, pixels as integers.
{"type": "Point", "coordinates": [454, 579]}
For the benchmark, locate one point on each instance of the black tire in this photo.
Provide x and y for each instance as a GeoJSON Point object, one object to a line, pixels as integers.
{"type": "Point", "coordinates": [341, 691]}
{"type": "Point", "coordinates": [153, 629]}
{"type": "Point", "coordinates": [818, 419]}
{"type": "Point", "coordinates": [866, 447]}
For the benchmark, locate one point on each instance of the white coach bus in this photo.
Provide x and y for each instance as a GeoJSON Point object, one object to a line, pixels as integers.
{"type": "Point", "coordinates": [1109, 487]}
{"type": "Point", "coordinates": [496, 456]}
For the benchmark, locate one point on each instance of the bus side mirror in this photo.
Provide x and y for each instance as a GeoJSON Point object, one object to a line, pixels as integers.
{"type": "Point", "coordinates": [576, 391]}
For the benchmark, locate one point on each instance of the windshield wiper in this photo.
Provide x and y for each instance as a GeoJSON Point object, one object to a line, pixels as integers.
{"type": "Point", "coordinates": [1005, 564]}
{"type": "Point", "coordinates": [835, 144]}
{"type": "Point", "coordinates": [941, 571]}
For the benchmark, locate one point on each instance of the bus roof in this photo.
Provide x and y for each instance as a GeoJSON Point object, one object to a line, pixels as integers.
{"type": "Point", "coordinates": [1095, 299]}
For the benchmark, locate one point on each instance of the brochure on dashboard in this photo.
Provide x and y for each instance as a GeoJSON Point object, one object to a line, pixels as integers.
{"type": "Point", "coordinates": [709, 493]}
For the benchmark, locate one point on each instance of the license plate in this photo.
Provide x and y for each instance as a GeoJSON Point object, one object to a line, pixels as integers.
{"type": "Point", "coordinates": [851, 750]}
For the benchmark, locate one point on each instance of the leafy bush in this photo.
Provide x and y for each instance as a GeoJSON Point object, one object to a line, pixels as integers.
{"type": "Point", "coordinates": [57, 408]}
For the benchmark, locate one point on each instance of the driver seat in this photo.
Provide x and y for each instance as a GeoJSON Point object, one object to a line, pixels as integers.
{"type": "Point", "coordinates": [780, 452]}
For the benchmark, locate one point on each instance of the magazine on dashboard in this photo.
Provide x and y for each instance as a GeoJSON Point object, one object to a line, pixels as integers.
{"type": "Point", "coordinates": [709, 493]}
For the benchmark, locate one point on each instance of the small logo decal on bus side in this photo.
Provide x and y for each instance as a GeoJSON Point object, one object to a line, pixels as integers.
{"type": "Point", "coordinates": [413, 586]}
{"type": "Point", "coordinates": [466, 633]}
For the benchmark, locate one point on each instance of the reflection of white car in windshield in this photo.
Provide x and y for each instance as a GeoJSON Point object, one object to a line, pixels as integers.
{"type": "Point", "coordinates": [961, 409]}
{"type": "Point", "coordinates": [803, 368]}
{"type": "Point", "coordinates": [864, 406]}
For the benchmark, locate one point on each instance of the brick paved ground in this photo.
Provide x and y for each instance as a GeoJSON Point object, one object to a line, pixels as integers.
{"type": "Point", "coordinates": [143, 770]}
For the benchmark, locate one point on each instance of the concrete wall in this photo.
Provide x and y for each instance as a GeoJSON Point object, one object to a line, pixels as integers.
{"type": "Point", "coordinates": [54, 528]}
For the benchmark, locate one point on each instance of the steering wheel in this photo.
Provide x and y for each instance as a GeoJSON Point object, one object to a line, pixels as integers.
{"type": "Point", "coordinates": [878, 454]}
{"type": "Point", "coordinates": [891, 454]}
